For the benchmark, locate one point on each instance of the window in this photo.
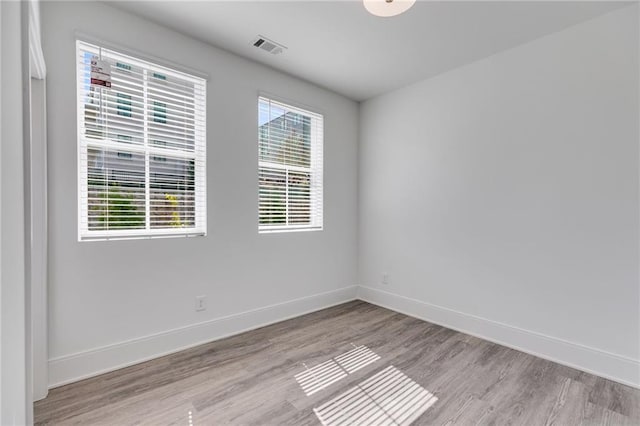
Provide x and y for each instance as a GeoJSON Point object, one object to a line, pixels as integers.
{"type": "Point", "coordinates": [142, 149]}
{"type": "Point", "coordinates": [290, 143]}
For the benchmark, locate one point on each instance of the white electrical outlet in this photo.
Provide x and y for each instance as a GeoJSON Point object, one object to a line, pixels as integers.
{"type": "Point", "coordinates": [201, 303]}
{"type": "Point", "coordinates": [385, 279]}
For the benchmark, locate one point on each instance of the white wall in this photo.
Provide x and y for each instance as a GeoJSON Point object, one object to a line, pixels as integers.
{"type": "Point", "coordinates": [502, 197]}
{"type": "Point", "coordinates": [104, 297]}
{"type": "Point", "coordinates": [2, 344]}
{"type": "Point", "coordinates": [36, 210]}
{"type": "Point", "coordinates": [37, 243]}
{"type": "Point", "coordinates": [14, 409]}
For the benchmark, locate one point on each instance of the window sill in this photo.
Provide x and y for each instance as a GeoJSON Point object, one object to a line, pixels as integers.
{"type": "Point", "coordinates": [83, 239]}
{"type": "Point", "coordinates": [275, 230]}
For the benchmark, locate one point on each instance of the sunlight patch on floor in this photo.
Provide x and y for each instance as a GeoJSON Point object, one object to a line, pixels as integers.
{"type": "Point", "coordinates": [319, 377]}
{"type": "Point", "coordinates": [355, 359]}
{"type": "Point", "coordinates": [315, 379]}
{"type": "Point", "coordinates": [386, 398]}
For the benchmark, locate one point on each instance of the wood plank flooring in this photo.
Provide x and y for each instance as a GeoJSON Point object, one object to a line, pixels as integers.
{"type": "Point", "coordinates": [252, 379]}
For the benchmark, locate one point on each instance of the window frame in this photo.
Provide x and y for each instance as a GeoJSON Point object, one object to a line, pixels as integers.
{"type": "Point", "coordinates": [315, 169]}
{"type": "Point", "coordinates": [151, 69]}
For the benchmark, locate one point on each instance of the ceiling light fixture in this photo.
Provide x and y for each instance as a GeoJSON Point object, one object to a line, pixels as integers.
{"type": "Point", "coordinates": [386, 8]}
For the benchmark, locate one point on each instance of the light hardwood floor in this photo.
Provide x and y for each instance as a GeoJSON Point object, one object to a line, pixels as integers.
{"type": "Point", "coordinates": [253, 378]}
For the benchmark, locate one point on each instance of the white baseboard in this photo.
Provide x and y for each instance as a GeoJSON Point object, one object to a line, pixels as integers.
{"type": "Point", "coordinates": [71, 368]}
{"type": "Point", "coordinates": [591, 360]}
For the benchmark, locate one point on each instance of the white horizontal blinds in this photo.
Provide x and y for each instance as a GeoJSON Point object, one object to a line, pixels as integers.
{"type": "Point", "coordinates": [290, 167]}
{"type": "Point", "coordinates": [142, 149]}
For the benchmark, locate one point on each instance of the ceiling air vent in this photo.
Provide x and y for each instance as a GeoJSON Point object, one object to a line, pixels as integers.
{"type": "Point", "coordinates": [268, 45]}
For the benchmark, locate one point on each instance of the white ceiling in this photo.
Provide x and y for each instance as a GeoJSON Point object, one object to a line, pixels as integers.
{"type": "Point", "coordinates": [338, 45]}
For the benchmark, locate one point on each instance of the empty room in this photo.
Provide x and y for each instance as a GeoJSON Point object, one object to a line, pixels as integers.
{"type": "Point", "coordinates": [358, 212]}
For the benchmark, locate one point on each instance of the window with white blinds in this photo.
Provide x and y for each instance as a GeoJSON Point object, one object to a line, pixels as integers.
{"type": "Point", "coordinates": [141, 149]}
{"type": "Point", "coordinates": [290, 143]}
